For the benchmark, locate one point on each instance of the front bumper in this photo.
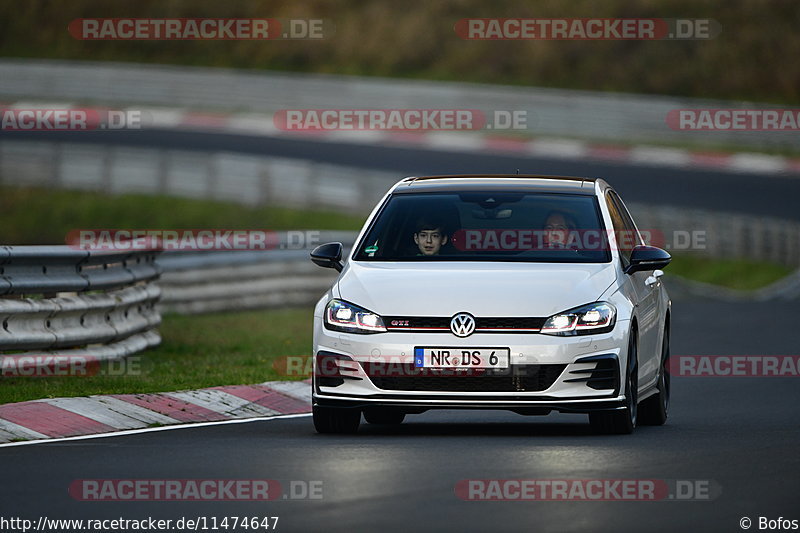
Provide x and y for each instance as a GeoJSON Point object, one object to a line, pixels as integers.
{"type": "Point", "coordinates": [420, 405]}
{"type": "Point", "coordinates": [577, 387]}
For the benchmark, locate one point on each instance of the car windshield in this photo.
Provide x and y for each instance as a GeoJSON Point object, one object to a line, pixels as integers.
{"type": "Point", "coordinates": [487, 226]}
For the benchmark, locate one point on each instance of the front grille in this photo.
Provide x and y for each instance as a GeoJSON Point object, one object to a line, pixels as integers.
{"type": "Point", "coordinates": [517, 378]}
{"type": "Point", "coordinates": [397, 323]}
{"type": "Point", "coordinates": [482, 324]}
{"type": "Point", "coordinates": [509, 323]}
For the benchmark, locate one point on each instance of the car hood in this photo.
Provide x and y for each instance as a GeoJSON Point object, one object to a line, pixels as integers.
{"type": "Point", "coordinates": [482, 289]}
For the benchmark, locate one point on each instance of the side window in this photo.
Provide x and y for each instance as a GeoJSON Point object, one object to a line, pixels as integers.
{"type": "Point", "coordinates": [624, 230]}
{"type": "Point", "coordinates": [627, 220]}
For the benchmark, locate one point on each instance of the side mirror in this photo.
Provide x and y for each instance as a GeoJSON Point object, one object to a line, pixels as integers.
{"type": "Point", "coordinates": [647, 258]}
{"type": "Point", "coordinates": [328, 255]}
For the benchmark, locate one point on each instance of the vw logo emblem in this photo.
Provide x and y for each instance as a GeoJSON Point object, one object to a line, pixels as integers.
{"type": "Point", "coordinates": [462, 325]}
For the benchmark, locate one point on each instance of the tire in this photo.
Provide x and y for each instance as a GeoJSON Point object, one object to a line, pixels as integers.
{"type": "Point", "coordinates": [622, 421]}
{"type": "Point", "coordinates": [336, 420]}
{"type": "Point", "coordinates": [654, 410]}
{"type": "Point", "coordinates": [383, 416]}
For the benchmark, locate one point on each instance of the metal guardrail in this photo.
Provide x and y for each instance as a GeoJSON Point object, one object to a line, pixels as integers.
{"type": "Point", "coordinates": [551, 112]}
{"type": "Point", "coordinates": [220, 176]}
{"type": "Point", "coordinates": [59, 301]}
{"type": "Point", "coordinates": [725, 235]}
{"type": "Point", "coordinates": [203, 282]}
{"type": "Point", "coordinates": [54, 269]}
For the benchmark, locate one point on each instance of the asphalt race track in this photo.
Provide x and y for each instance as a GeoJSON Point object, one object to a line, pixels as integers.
{"type": "Point", "coordinates": [759, 194]}
{"type": "Point", "coordinates": [739, 434]}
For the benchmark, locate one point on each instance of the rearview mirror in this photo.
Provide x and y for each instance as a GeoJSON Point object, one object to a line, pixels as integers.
{"type": "Point", "coordinates": [328, 255]}
{"type": "Point", "coordinates": [647, 258]}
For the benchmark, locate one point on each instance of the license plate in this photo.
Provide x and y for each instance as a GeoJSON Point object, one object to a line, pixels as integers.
{"type": "Point", "coordinates": [461, 357]}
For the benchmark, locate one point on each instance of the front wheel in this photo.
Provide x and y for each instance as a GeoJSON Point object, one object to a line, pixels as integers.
{"type": "Point", "coordinates": [622, 421]}
{"type": "Point", "coordinates": [335, 420]}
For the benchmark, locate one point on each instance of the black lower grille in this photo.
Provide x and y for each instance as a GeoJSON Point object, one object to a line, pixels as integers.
{"type": "Point", "coordinates": [603, 376]}
{"type": "Point", "coordinates": [517, 378]}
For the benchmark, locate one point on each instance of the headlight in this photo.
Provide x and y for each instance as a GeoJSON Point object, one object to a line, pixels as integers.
{"type": "Point", "coordinates": [343, 316]}
{"type": "Point", "coordinates": [593, 318]}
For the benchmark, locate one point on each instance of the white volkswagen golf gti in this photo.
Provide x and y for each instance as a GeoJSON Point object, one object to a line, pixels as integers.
{"type": "Point", "coordinates": [524, 293]}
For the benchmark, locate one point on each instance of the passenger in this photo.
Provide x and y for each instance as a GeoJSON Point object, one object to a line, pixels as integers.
{"type": "Point", "coordinates": [430, 236]}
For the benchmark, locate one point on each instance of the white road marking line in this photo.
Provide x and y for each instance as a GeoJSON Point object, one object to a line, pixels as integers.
{"type": "Point", "coordinates": [456, 141]}
{"type": "Point", "coordinates": [159, 117]}
{"type": "Point", "coordinates": [758, 163]}
{"type": "Point", "coordinates": [262, 124]}
{"type": "Point", "coordinates": [660, 156]}
{"type": "Point", "coordinates": [558, 148]}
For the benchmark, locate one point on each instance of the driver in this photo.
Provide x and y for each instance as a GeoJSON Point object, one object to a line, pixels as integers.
{"type": "Point", "coordinates": [557, 228]}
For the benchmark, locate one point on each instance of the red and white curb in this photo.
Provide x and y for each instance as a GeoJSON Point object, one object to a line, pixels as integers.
{"type": "Point", "coordinates": [487, 143]}
{"type": "Point", "coordinates": [71, 417]}
{"type": "Point", "coordinates": [474, 141]}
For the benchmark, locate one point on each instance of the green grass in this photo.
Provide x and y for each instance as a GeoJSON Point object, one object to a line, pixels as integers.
{"type": "Point", "coordinates": [31, 215]}
{"type": "Point", "coordinates": [731, 273]}
{"type": "Point", "coordinates": [416, 39]}
{"type": "Point", "coordinates": [196, 352]}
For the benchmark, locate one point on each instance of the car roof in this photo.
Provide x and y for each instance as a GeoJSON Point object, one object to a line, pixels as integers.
{"type": "Point", "coordinates": [510, 182]}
